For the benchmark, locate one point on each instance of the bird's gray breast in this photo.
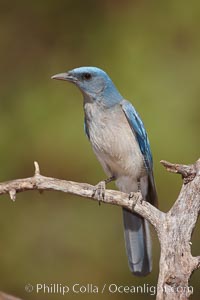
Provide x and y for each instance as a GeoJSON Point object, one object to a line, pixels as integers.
{"type": "Point", "coordinates": [113, 141]}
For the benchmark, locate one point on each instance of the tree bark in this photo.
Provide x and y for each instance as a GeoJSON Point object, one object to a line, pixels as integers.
{"type": "Point", "coordinates": [176, 261]}
{"type": "Point", "coordinates": [174, 228]}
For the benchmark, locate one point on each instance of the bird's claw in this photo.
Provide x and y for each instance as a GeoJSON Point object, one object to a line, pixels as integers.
{"type": "Point", "coordinates": [99, 191]}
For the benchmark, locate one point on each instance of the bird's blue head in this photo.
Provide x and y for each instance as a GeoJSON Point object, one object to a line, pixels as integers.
{"type": "Point", "coordinates": [94, 83]}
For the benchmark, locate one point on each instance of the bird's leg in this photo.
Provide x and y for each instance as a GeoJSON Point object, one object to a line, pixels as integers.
{"type": "Point", "coordinates": [99, 189]}
{"type": "Point", "coordinates": [131, 195]}
{"type": "Point", "coordinates": [108, 180]}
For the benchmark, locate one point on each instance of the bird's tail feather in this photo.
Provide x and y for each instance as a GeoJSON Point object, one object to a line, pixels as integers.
{"type": "Point", "coordinates": [138, 243]}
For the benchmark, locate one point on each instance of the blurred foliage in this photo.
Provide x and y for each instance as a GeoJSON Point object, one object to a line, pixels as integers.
{"type": "Point", "coordinates": [151, 50]}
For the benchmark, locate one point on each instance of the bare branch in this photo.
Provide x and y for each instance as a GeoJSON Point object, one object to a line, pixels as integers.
{"type": "Point", "coordinates": [174, 228]}
{"type": "Point", "coordinates": [4, 296]}
{"type": "Point", "coordinates": [12, 194]}
{"type": "Point", "coordinates": [188, 172]}
{"type": "Point", "coordinates": [176, 262]}
{"type": "Point", "coordinates": [43, 183]}
{"type": "Point", "coordinates": [37, 168]}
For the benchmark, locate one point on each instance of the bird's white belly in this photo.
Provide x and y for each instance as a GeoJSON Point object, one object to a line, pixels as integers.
{"type": "Point", "coordinates": [115, 145]}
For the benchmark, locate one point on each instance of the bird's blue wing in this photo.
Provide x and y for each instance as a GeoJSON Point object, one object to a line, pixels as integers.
{"type": "Point", "coordinates": [139, 131]}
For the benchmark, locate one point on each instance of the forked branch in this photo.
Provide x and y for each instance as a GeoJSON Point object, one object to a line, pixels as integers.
{"type": "Point", "coordinates": [174, 228]}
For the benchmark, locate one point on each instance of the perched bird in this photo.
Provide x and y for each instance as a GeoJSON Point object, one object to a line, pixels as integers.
{"type": "Point", "coordinates": [120, 142]}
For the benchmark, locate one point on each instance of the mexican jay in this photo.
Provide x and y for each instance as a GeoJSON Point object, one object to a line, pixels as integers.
{"type": "Point", "coordinates": [121, 145]}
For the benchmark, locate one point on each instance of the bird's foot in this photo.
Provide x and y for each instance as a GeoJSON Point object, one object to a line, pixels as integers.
{"type": "Point", "coordinates": [99, 191]}
{"type": "Point", "coordinates": [132, 194]}
{"type": "Point", "coordinates": [100, 188]}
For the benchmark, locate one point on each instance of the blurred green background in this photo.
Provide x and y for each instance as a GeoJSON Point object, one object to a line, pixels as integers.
{"type": "Point", "coordinates": [151, 50]}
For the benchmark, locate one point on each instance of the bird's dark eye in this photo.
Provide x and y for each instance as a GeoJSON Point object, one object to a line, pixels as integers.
{"type": "Point", "coordinates": [87, 76]}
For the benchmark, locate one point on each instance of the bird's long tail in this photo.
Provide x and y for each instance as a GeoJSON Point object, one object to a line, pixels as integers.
{"type": "Point", "coordinates": [138, 243]}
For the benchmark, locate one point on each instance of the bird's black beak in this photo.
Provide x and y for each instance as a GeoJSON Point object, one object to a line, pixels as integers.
{"type": "Point", "coordinates": [64, 76]}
